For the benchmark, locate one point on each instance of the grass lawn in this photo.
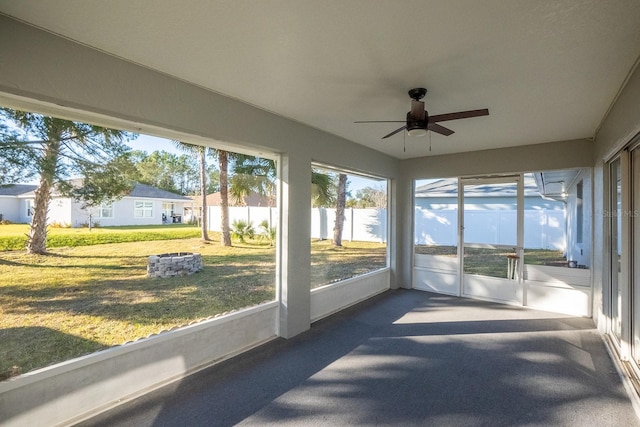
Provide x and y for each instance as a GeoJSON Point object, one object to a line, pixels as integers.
{"type": "Point", "coordinates": [493, 262]}
{"type": "Point", "coordinates": [14, 236]}
{"type": "Point", "coordinates": [78, 300]}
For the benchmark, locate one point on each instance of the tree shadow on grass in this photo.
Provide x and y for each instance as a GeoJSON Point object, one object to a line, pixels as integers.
{"type": "Point", "coordinates": [26, 348]}
{"type": "Point", "coordinates": [147, 301]}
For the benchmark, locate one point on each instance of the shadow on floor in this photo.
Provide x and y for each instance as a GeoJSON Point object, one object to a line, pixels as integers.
{"type": "Point", "coordinates": [405, 358]}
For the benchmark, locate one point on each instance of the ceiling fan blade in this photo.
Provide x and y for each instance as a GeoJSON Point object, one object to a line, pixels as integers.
{"type": "Point", "coordinates": [459, 115]}
{"type": "Point", "coordinates": [394, 132]}
{"type": "Point", "coordinates": [439, 129]}
{"type": "Point", "coordinates": [380, 121]}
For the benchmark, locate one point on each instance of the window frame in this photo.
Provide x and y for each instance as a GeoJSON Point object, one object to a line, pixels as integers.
{"type": "Point", "coordinates": [140, 212]}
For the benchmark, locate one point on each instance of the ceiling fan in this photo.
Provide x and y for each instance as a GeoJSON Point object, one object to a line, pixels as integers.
{"type": "Point", "coordinates": [418, 120]}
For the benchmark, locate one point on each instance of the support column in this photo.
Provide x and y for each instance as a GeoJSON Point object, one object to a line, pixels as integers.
{"type": "Point", "coordinates": [294, 254]}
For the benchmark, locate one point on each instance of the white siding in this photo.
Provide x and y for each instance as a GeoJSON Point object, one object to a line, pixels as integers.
{"type": "Point", "coordinates": [10, 208]}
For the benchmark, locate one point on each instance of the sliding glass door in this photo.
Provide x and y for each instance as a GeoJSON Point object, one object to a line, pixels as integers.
{"type": "Point", "coordinates": [615, 215]}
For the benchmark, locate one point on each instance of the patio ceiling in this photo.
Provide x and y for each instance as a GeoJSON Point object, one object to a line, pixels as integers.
{"type": "Point", "coordinates": [547, 71]}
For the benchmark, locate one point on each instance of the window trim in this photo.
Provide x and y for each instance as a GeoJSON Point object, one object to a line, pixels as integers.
{"type": "Point", "coordinates": [140, 211]}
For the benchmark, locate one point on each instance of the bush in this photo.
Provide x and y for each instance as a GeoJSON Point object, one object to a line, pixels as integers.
{"type": "Point", "coordinates": [57, 224]}
{"type": "Point", "coordinates": [242, 230]}
{"type": "Point", "coordinates": [267, 233]}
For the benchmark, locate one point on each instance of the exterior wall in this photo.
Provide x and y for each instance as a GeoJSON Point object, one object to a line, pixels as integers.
{"type": "Point", "coordinates": [66, 211]}
{"type": "Point", "coordinates": [580, 251]}
{"type": "Point", "coordinates": [10, 208]}
{"type": "Point", "coordinates": [332, 298]}
{"type": "Point", "coordinates": [60, 211]}
{"type": "Point", "coordinates": [620, 126]}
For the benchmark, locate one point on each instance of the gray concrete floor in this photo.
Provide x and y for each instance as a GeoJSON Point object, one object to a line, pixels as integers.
{"type": "Point", "coordinates": [405, 358]}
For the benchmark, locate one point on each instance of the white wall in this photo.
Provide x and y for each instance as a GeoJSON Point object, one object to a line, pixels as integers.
{"type": "Point", "coordinates": [620, 126]}
{"type": "Point", "coordinates": [580, 251]}
{"type": "Point", "coordinates": [60, 212]}
{"type": "Point", "coordinates": [66, 392]}
{"type": "Point", "coordinates": [10, 208]}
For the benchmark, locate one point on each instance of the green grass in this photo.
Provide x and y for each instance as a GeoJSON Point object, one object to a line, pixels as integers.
{"type": "Point", "coordinates": [330, 264]}
{"type": "Point", "coordinates": [78, 300]}
{"type": "Point", "coordinates": [14, 236]}
{"type": "Point", "coordinates": [493, 262]}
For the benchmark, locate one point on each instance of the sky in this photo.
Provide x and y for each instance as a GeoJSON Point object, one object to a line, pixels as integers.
{"type": "Point", "coordinates": [151, 143]}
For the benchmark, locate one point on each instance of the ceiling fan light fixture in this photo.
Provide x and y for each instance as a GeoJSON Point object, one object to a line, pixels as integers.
{"type": "Point", "coordinates": [417, 132]}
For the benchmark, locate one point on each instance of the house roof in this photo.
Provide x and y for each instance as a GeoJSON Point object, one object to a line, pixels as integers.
{"type": "Point", "coordinates": [139, 190]}
{"type": "Point", "coordinates": [448, 187]}
{"type": "Point", "coordinates": [17, 189]}
{"type": "Point", "coordinates": [147, 191]}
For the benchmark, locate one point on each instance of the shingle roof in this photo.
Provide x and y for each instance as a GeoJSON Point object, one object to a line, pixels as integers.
{"type": "Point", "coordinates": [139, 190]}
{"type": "Point", "coordinates": [448, 187]}
{"type": "Point", "coordinates": [143, 190]}
{"type": "Point", "coordinates": [16, 189]}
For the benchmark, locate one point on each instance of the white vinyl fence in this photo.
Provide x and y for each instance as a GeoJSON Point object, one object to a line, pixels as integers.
{"type": "Point", "coordinates": [368, 225]}
{"type": "Point", "coordinates": [543, 229]}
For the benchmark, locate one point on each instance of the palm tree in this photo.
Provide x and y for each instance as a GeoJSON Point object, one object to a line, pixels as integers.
{"type": "Point", "coordinates": [321, 189]}
{"type": "Point", "coordinates": [201, 153]}
{"type": "Point", "coordinates": [258, 175]}
{"type": "Point", "coordinates": [223, 164]}
{"type": "Point", "coordinates": [253, 175]}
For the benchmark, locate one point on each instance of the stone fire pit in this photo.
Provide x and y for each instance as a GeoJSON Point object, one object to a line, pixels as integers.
{"type": "Point", "coordinates": [174, 264]}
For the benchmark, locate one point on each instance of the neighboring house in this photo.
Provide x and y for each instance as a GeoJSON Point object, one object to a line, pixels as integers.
{"type": "Point", "coordinates": [144, 205]}
{"type": "Point", "coordinates": [443, 194]}
{"type": "Point", "coordinates": [491, 214]}
{"type": "Point", "coordinates": [14, 205]}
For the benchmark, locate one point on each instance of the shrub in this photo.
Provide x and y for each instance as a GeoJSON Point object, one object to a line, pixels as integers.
{"type": "Point", "coordinates": [267, 233]}
{"type": "Point", "coordinates": [57, 224]}
{"type": "Point", "coordinates": [241, 230]}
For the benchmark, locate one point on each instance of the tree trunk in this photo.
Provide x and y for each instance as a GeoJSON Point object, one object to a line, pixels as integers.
{"type": "Point", "coordinates": [223, 159]}
{"type": "Point", "coordinates": [340, 205]}
{"type": "Point", "coordinates": [37, 242]}
{"type": "Point", "coordinates": [203, 193]}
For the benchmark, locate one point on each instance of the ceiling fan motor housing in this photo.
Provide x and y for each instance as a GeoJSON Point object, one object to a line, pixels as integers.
{"type": "Point", "coordinates": [417, 126]}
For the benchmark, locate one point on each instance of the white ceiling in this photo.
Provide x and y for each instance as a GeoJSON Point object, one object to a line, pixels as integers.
{"type": "Point", "coordinates": [547, 70]}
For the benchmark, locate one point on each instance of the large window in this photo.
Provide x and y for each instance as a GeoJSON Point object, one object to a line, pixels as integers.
{"type": "Point", "coordinates": [97, 288]}
{"type": "Point", "coordinates": [348, 225]}
{"type": "Point", "coordinates": [143, 209]}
